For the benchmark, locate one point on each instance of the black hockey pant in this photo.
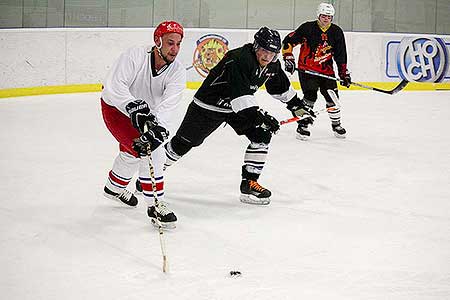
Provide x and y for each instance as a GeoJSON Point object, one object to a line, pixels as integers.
{"type": "Point", "coordinates": [199, 123]}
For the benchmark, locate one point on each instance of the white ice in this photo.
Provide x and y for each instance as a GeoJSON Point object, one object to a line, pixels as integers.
{"type": "Point", "coordinates": [367, 217]}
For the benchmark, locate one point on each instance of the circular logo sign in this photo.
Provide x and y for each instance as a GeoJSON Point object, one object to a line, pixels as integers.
{"type": "Point", "coordinates": [422, 59]}
{"type": "Point", "coordinates": [211, 48]}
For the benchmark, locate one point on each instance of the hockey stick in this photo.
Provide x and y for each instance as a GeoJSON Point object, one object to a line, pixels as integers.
{"type": "Point", "coordinates": [317, 112]}
{"type": "Point", "coordinates": [395, 90]}
{"type": "Point", "coordinates": [337, 104]}
{"type": "Point", "coordinates": [165, 267]}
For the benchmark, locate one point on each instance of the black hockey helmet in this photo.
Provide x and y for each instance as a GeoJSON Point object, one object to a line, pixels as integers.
{"type": "Point", "coordinates": [267, 39]}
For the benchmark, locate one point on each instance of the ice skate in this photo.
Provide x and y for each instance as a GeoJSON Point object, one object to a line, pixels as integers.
{"type": "Point", "coordinates": [253, 193]}
{"type": "Point", "coordinates": [125, 196]}
{"type": "Point", "coordinates": [339, 131]}
{"type": "Point", "coordinates": [138, 187]}
{"type": "Point", "coordinates": [167, 217]}
{"type": "Point", "coordinates": [302, 133]}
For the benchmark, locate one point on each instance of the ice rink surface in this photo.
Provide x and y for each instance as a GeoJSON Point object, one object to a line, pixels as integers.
{"type": "Point", "coordinates": [367, 217]}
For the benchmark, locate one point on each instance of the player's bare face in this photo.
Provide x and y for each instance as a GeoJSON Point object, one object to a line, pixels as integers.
{"type": "Point", "coordinates": [325, 20]}
{"type": "Point", "coordinates": [171, 43]}
{"type": "Point", "coordinates": [264, 57]}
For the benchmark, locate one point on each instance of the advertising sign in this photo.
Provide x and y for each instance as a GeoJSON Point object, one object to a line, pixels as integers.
{"type": "Point", "coordinates": [419, 59]}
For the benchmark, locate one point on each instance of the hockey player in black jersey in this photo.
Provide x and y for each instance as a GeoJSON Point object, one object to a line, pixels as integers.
{"type": "Point", "coordinates": [227, 95]}
{"type": "Point", "coordinates": [321, 41]}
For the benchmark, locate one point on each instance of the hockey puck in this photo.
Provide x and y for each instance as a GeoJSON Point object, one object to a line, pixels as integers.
{"type": "Point", "coordinates": [235, 273]}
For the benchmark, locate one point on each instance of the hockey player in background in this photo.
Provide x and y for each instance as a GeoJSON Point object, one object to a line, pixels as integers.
{"type": "Point", "coordinates": [321, 41]}
{"type": "Point", "coordinates": [141, 91]}
{"type": "Point", "coordinates": [227, 95]}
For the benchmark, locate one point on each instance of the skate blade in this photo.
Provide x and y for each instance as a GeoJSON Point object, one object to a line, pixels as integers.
{"type": "Point", "coordinates": [250, 199]}
{"type": "Point", "coordinates": [339, 136]}
{"type": "Point", "coordinates": [301, 137]}
{"type": "Point", "coordinates": [164, 226]}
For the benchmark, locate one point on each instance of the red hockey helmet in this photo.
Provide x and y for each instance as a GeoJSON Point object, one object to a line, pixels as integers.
{"type": "Point", "coordinates": [167, 27]}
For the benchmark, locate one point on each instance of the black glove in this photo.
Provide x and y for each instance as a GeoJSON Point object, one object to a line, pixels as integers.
{"type": "Point", "coordinates": [253, 117]}
{"type": "Point", "coordinates": [266, 121]}
{"type": "Point", "coordinates": [154, 137]}
{"type": "Point", "coordinates": [299, 108]}
{"type": "Point", "coordinates": [344, 75]}
{"type": "Point", "coordinates": [289, 62]}
{"type": "Point", "coordinates": [140, 115]}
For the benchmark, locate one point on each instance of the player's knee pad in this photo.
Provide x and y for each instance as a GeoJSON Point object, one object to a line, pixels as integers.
{"type": "Point", "coordinates": [328, 99]}
{"type": "Point", "coordinates": [180, 145]}
{"type": "Point", "coordinates": [259, 135]}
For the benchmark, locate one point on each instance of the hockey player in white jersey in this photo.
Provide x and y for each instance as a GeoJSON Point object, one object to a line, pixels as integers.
{"type": "Point", "coordinates": [140, 92]}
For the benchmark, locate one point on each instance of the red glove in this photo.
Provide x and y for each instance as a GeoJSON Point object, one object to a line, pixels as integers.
{"type": "Point", "coordinates": [344, 75]}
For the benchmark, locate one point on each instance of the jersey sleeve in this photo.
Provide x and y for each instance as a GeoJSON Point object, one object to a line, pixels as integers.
{"type": "Point", "coordinates": [293, 39]}
{"type": "Point", "coordinates": [279, 86]}
{"type": "Point", "coordinates": [340, 48]}
{"type": "Point", "coordinates": [116, 87]}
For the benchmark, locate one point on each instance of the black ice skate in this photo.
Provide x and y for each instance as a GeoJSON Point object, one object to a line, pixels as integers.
{"type": "Point", "coordinates": [125, 196]}
{"type": "Point", "coordinates": [138, 186]}
{"type": "Point", "coordinates": [253, 193]}
{"type": "Point", "coordinates": [303, 132]}
{"type": "Point", "coordinates": [339, 131]}
{"type": "Point", "coordinates": [166, 217]}
{"type": "Point", "coordinates": [302, 128]}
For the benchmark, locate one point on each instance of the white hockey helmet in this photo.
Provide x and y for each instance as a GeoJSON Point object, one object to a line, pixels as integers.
{"type": "Point", "coordinates": [325, 9]}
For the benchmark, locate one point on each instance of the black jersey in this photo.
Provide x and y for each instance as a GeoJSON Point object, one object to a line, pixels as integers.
{"type": "Point", "coordinates": [237, 77]}
{"type": "Point", "coordinates": [318, 46]}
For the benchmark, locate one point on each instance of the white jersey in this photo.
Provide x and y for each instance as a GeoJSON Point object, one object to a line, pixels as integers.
{"type": "Point", "coordinates": [133, 77]}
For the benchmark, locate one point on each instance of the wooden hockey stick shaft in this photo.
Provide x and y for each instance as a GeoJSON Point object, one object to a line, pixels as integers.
{"type": "Point", "coordinates": [295, 119]}
{"type": "Point", "coordinates": [317, 112]}
{"type": "Point", "coordinates": [165, 267]}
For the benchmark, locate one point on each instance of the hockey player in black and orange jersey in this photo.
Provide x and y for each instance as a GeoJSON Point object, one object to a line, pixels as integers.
{"type": "Point", "coordinates": [321, 42]}
{"type": "Point", "coordinates": [227, 96]}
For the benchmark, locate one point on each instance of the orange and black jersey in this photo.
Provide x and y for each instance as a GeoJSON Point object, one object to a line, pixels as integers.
{"type": "Point", "coordinates": [232, 83]}
{"type": "Point", "coordinates": [318, 47]}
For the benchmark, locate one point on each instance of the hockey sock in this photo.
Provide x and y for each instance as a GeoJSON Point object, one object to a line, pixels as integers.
{"type": "Point", "coordinates": [255, 158]}
{"type": "Point", "coordinates": [124, 167]}
{"type": "Point", "coordinates": [157, 162]}
{"type": "Point", "coordinates": [335, 116]}
{"type": "Point", "coordinates": [171, 156]}
{"type": "Point", "coordinates": [147, 188]}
